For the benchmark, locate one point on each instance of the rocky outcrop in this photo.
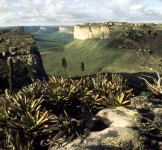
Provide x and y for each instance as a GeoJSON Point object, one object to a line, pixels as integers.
{"type": "Point", "coordinates": [83, 32]}
{"type": "Point", "coordinates": [132, 127]}
{"type": "Point", "coordinates": [69, 30]}
{"type": "Point", "coordinates": [27, 62]}
{"type": "Point", "coordinates": [104, 30]}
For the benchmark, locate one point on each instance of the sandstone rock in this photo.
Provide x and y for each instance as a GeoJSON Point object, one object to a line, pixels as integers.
{"type": "Point", "coordinates": [158, 115]}
{"type": "Point", "coordinates": [122, 128]}
{"type": "Point", "coordinates": [120, 117]}
{"type": "Point", "coordinates": [115, 135]}
{"type": "Point", "coordinates": [130, 112]}
{"type": "Point", "coordinates": [97, 124]}
{"type": "Point", "coordinates": [69, 30]}
{"type": "Point", "coordinates": [157, 111]}
{"type": "Point", "coordinates": [140, 102]}
{"type": "Point", "coordinates": [27, 60]}
{"type": "Point", "coordinates": [110, 138]}
{"type": "Point", "coordinates": [83, 32]}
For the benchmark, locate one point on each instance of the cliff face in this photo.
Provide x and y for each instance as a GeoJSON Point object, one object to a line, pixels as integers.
{"type": "Point", "coordinates": [102, 30]}
{"type": "Point", "coordinates": [69, 30]}
{"type": "Point", "coordinates": [27, 62]}
{"type": "Point", "coordinates": [83, 32]}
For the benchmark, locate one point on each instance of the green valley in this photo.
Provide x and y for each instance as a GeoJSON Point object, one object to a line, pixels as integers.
{"type": "Point", "coordinates": [98, 55]}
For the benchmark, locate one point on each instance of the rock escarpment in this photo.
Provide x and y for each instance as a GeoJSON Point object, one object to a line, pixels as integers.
{"type": "Point", "coordinates": [27, 62]}
{"type": "Point", "coordinates": [83, 32]}
{"type": "Point", "coordinates": [69, 30]}
{"type": "Point", "coordinates": [104, 30]}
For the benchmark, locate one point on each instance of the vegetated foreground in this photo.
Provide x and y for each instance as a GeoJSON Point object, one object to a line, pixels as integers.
{"type": "Point", "coordinates": [48, 114]}
{"type": "Point", "coordinates": [39, 115]}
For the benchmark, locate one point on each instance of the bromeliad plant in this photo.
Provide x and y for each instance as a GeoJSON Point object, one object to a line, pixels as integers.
{"type": "Point", "coordinates": [110, 91]}
{"type": "Point", "coordinates": [56, 109]}
{"type": "Point", "coordinates": [93, 90]}
{"type": "Point", "coordinates": [22, 120]}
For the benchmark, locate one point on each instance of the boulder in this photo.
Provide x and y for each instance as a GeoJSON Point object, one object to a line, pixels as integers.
{"type": "Point", "coordinates": [117, 117]}
{"type": "Point", "coordinates": [122, 128]}
{"type": "Point", "coordinates": [109, 138]}
{"type": "Point", "coordinates": [140, 102]}
{"type": "Point", "coordinates": [111, 128]}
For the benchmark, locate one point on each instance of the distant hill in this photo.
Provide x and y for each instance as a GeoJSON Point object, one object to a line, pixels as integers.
{"type": "Point", "coordinates": [46, 29]}
{"type": "Point", "coordinates": [47, 37]}
{"type": "Point", "coordinates": [34, 29]}
{"type": "Point", "coordinates": [31, 29]}
{"type": "Point", "coordinates": [52, 41]}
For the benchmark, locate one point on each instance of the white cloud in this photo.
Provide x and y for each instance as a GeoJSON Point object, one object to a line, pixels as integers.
{"type": "Point", "coordinates": [54, 12]}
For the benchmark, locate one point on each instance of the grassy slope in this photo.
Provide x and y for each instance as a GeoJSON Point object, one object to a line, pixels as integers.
{"type": "Point", "coordinates": [51, 41]}
{"type": "Point", "coordinates": [98, 55]}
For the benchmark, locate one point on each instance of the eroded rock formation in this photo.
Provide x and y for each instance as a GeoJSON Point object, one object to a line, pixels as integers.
{"type": "Point", "coordinates": [27, 62]}
{"type": "Point", "coordinates": [83, 32]}
{"type": "Point", "coordinates": [102, 30]}
{"type": "Point", "coordinates": [69, 30]}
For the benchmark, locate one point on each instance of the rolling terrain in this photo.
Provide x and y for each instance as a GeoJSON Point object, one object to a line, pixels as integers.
{"type": "Point", "coordinates": [97, 55]}
{"type": "Point", "coordinates": [51, 41]}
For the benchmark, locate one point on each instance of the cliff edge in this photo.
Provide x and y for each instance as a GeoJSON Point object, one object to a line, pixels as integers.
{"type": "Point", "coordinates": [69, 30]}
{"type": "Point", "coordinates": [27, 62]}
{"type": "Point", "coordinates": [104, 30]}
{"type": "Point", "coordinates": [83, 32]}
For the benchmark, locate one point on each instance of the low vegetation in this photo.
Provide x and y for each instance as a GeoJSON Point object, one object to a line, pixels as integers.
{"type": "Point", "coordinates": [47, 113]}
{"type": "Point", "coordinates": [142, 41]}
{"type": "Point", "coordinates": [97, 55]}
{"type": "Point", "coordinates": [53, 112]}
{"type": "Point", "coordinates": [51, 41]}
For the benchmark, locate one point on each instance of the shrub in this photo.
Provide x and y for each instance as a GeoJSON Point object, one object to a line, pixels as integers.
{"type": "Point", "coordinates": [142, 40]}
{"type": "Point", "coordinates": [43, 113]}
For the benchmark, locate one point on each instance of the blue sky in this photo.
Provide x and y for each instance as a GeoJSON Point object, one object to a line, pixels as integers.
{"type": "Point", "coordinates": [71, 12]}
